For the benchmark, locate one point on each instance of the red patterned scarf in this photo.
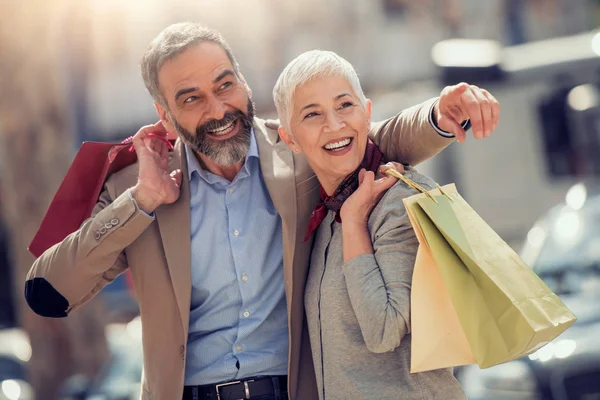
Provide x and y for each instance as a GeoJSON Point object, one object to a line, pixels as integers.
{"type": "Point", "coordinates": [370, 162]}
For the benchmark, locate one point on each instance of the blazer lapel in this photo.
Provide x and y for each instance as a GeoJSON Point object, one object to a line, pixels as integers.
{"type": "Point", "coordinates": [174, 224]}
{"type": "Point", "coordinates": [277, 164]}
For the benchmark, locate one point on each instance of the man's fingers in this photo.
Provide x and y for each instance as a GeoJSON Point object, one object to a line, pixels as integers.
{"type": "Point", "coordinates": [457, 90]}
{"type": "Point", "coordinates": [138, 144]}
{"type": "Point", "coordinates": [159, 129]}
{"type": "Point", "coordinates": [470, 105]}
{"type": "Point", "coordinates": [161, 147]}
{"type": "Point", "coordinates": [455, 128]}
{"type": "Point", "coordinates": [463, 101]}
{"type": "Point", "coordinates": [455, 113]}
{"type": "Point", "coordinates": [495, 107]}
{"type": "Point", "coordinates": [176, 176]}
{"type": "Point", "coordinates": [486, 111]}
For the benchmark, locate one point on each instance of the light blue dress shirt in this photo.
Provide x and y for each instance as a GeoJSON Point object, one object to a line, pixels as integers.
{"type": "Point", "coordinates": [238, 318]}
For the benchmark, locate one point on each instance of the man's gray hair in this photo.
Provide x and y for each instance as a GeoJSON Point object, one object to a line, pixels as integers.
{"type": "Point", "coordinates": [172, 41]}
{"type": "Point", "coordinates": [306, 67]}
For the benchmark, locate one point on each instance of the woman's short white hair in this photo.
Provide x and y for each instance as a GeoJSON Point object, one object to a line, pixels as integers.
{"type": "Point", "coordinates": [306, 67]}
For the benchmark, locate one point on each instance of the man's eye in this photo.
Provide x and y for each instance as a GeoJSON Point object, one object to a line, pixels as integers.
{"type": "Point", "coordinates": [190, 99]}
{"type": "Point", "coordinates": [225, 85]}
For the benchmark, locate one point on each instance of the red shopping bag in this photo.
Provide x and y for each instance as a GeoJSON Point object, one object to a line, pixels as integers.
{"type": "Point", "coordinates": [79, 191]}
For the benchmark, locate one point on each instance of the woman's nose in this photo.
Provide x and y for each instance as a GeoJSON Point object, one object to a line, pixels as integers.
{"type": "Point", "coordinates": [333, 123]}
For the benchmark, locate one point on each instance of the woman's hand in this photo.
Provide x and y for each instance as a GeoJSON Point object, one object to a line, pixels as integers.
{"type": "Point", "coordinates": [356, 209]}
{"type": "Point", "coordinates": [358, 206]}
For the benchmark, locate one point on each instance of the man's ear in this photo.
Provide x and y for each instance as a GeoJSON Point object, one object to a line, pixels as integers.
{"type": "Point", "coordinates": [243, 80]}
{"type": "Point", "coordinates": [165, 118]}
{"type": "Point", "coordinates": [288, 139]}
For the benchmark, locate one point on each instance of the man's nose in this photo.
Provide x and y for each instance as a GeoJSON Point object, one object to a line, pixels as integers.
{"type": "Point", "coordinates": [215, 108]}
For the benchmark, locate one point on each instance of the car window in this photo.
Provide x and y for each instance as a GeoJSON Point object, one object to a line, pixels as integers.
{"type": "Point", "coordinates": [569, 261]}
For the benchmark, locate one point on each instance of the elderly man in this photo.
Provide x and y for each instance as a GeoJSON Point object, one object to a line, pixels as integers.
{"type": "Point", "coordinates": [213, 231]}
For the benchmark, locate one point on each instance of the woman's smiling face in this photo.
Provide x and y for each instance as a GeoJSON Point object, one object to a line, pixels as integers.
{"type": "Point", "coordinates": [330, 125]}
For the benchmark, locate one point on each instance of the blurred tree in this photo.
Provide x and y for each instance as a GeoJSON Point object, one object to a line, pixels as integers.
{"type": "Point", "coordinates": [36, 144]}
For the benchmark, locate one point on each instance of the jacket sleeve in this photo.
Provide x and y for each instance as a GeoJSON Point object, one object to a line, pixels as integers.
{"type": "Point", "coordinates": [72, 272]}
{"type": "Point", "coordinates": [409, 137]}
{"type": "Point", "coordinates": [379, 284]}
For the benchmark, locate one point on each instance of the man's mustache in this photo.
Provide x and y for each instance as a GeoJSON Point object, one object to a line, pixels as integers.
{"type": "Point", "coordinates": [214, 124]}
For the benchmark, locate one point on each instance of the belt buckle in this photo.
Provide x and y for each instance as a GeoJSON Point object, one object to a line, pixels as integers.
{"type": "Point", "coordinates": [220, 385]}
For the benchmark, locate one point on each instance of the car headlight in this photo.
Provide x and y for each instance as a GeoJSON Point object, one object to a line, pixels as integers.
{"type": "Point", "coordinates": [15, 389]}
{"type": "Point", "coordinates": [511, 381]}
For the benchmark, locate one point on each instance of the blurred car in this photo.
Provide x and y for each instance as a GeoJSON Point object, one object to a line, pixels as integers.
{"type": "Point", "coordinates": [563, 247]}
{"type": "Point", "coordinates": [15, 351]}
{"type": "Point", "coordinates": [120, 378]}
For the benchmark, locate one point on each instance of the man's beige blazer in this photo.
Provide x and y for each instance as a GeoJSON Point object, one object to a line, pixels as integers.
{"type": "Point", "coordinates": [157, 252]}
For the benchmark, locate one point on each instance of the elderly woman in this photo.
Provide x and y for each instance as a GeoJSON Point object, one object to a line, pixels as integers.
{"type": "Point", "coordinates": [357, 296]}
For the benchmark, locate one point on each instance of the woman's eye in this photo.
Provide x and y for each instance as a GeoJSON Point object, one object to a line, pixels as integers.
{"type": "Point", "coordinates": [346, 104]}
{"type": "Point", "coordinates": [190, 99]}
{"type": "Point", "coordinates": [311, 114]}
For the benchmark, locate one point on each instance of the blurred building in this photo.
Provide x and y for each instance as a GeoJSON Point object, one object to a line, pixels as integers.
{"type": "Point", "coordinates": [389, 41]}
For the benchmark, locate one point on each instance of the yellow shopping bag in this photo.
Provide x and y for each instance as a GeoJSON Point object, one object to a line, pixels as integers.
{"type": "Point", "coordinates": [473, 299]}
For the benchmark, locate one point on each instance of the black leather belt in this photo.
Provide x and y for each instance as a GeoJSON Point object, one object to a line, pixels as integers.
{"type": "Point", "coordinates": [235, 390]}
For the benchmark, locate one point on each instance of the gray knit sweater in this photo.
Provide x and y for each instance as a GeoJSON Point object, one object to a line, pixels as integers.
{"type": "Point", "coordinates": [359, 312]}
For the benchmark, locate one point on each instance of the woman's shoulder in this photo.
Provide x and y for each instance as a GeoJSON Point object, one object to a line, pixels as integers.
{"type": "Point", "coordinates": [390, 206]}
{"type": "Point", "coordinates": [390, 212]}
{"type": "Point", "coordinates": [401, 190]}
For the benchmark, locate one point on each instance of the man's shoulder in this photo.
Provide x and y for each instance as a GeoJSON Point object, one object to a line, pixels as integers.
{"type": "Point", "coordinates": [268, 129]}
{"type": "Point", "coordinates": [270, 125]}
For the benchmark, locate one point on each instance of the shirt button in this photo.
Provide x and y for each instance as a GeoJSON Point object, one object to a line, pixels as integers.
{"type": "Point", "coordinates": [230, 190]}
{"type": "Point", "coordinates": [246, 314]}
{"type": "Point", "coordinates": [238, 347]}
{"type": "Point", "coordinates": [244, 277]}
{"type": "Point", "coordinates": [236, 232]}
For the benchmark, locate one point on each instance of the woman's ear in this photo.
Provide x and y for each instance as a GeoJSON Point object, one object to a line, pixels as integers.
{"type": "Point", "coordinates": [288, 139]}
{"type": "Point", "coordinates": [368, 110]}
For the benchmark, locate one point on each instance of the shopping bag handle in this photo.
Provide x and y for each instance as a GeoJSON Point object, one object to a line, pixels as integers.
{"type": "Point", "coordinates": [415, 185]}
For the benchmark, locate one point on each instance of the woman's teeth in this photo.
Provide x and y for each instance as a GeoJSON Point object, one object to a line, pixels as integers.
{"type": "Point", "coordinates": [223, 130]}
{"type": "Point", "coordinates": [338, 145]}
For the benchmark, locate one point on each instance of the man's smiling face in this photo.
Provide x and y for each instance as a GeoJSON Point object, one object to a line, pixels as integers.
{"type": "Point", "coordinates": [208, 104]}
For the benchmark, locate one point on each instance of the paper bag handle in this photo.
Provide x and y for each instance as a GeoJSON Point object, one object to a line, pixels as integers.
{"type": "Point", "coordinates": [415, 185]}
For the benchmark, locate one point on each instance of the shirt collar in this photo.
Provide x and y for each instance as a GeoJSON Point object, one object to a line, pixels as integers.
{"type": "Point", "coordinates": [209, 177]}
